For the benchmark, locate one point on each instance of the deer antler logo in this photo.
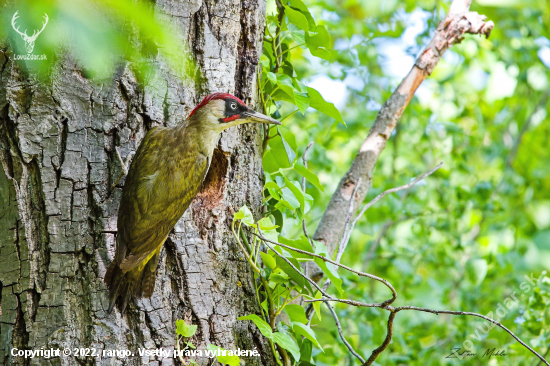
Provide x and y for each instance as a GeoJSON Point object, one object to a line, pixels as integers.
{"type": "Point", "coordinates": [29, 41]}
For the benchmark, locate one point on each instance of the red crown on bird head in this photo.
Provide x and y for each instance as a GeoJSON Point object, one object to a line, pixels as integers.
{"type": "Point", "coordinates": [212, 97]}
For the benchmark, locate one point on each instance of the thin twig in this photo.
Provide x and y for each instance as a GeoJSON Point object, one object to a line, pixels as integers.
{"type": "Point", "coordinates": [383, 305]}
{"type": "Point", "coordinates": [266, 241]}
{"type": "Point", "coordinates": [545, 354]}
{"type": "Point", "coordinates": [363, 274]}
{"type": "Point", "coordinates": [349, 228]}
{"type": "Point", "coordinates": [393, 190]}
{"type": "Point", "coordinates": [347, 231]}
{"type": "Point", "coordinates": [384, 344]}
{"type": "Point", "coordinates": [350, 348]}
{"type": "Point", "coordinates": [351, 302]}
{"type": "Point", "coordinates": [437, 312]}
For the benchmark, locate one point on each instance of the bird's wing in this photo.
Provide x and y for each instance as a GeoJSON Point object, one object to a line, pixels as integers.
{"type": "Point", "coordinates": [160, 185]}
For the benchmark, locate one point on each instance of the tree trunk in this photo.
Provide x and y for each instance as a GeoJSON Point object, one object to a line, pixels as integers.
{"type": "Point", "coordinates": [58, 217]}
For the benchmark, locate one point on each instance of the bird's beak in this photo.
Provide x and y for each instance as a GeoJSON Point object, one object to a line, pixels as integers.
{"type": "Point", "coordinates": [253, 116]}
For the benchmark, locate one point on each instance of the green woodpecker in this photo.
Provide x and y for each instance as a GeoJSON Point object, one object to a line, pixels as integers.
{"type": "Point", "coordinates": [164, 177]}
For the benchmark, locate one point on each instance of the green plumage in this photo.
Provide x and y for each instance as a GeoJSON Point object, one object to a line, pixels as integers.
{"type": "Point", "coordinates": [164, 177]}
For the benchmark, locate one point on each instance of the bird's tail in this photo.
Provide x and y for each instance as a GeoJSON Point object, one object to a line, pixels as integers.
{"type": "Point", "coordinates": [137, 282]}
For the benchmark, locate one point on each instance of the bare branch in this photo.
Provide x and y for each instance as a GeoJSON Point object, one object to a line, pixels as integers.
{"type": "Point", "coordinates": [545, 354]}
{"type": "Point", "coordinates": [393, 190]}
{"type": "Point", "coordinates": [290, 263]}
{"type": "Point", "coordinates": [351, 302]}
{"type": "Point", "coordinates": [363, 274]}
{"type": "Point", "coordinates": [350, 348]}
{"type": "Point", "coordinates": [383, 305]}
{"type": "Point", "coordinates": [384, 344]}
{"type": "Point", "coordinates": [348, 231]}
{"type": "Point", "coordinates": [449, 31]}
{"type": "Point", "coordinates": [437, 312]}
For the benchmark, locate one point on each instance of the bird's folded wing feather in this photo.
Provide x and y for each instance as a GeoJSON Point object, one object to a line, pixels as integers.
{"type": "Point", "coordinates": [160, 185]}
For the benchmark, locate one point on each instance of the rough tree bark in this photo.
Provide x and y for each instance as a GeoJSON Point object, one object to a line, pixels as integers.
{"type": "Point", "coordinates": [58, 213]}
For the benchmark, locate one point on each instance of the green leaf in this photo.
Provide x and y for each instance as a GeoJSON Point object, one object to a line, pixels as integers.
{"type": "Point", "coordinates": [302, 101]}
{"type": "Point", "coordinates": [284, 80]}
{"type": "Point", "coordinates": [297, 18]}
{"type": "Point", "coordinates": [279, 219]}
{"type": "Point", "coordinates": [289, 200]}
{"type": "Point", "coordinates": [289, 90]}
{"type": "Point", "coordinates": [316, 101]}
{"type": "Point", "coordinates": [285, 94]}
{"type": "Point", "coordinates": [306, 353]}
{"type": "Point", "coordinates": [264, 60]}
{"type": "Point", "coordinates": [185, 330]}
{"type": "Point", "coordinates": [299, 5]}
{"type": "Point", "coordinates": [279, 278]}
{"type": "Point", "coordinates": [268, 260]}
{"type": "Point", "coordinates": [273, 189]}
{"type": "Point", "coordinates": [302, 243]}
{"type": "Point", "coordinates": [287, 342]}
{"type": "Point", "coordinates": [264, 328]}
{"type": "Point", "coordinates": [272, 77]}
{"type": "Point", "coordinates": [317, 304]}
{"type": "Point", "coordinates": [328, 268]}
{"type": "Point", "coordinates": [269, 163]}
{"type": "Point", "coordinates": [320, 38]}
{"type": "Point", "coordinates": [476, 270]}
{"type": "Point", "coordinates": [322, 53]}
{"type": "Point", "coordinates": [291, 272]}
{"type": "Point", "coordinates": [305, 331]}
{"type": "Point", "coordinates": [296, 313]}
{"type": "Point", "coordinates": [297, 34]}
{"type": "Point", "coordinates": [245, 216]}
{"type": "Point", "coordinates": [295, 190]}
{"type": "Point", "coordinates": [224, 360]}
{"type": "Point", "coordinates": [268, 229]}
{"type": "Point", "coordinates": [312, 178]}
{"type": "Point", "coordinates": [279, 152]}
{"type": "Point", "coordinates": [288, 148]}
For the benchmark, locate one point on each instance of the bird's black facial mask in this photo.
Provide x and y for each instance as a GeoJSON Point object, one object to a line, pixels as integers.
{"type": "Point", "coordinates": [233, 110]}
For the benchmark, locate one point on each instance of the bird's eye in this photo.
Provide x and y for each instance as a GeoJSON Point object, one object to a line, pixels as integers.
{"type": "Point", "coordinates": [233, 105]}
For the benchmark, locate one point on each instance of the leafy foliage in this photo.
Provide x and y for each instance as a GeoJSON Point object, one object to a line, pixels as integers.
{"type": "Point", "coordinates": [128, 31]}
{"type": "Point", "coordinates": [467, 237]}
